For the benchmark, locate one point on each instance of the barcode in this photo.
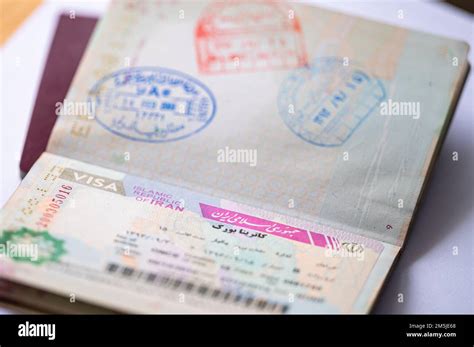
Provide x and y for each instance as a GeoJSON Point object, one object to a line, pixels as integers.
{"type": "Point", "coordinates": [201, 290]}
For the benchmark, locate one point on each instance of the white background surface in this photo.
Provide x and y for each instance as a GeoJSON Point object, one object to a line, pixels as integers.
{"type": "Point", "coordinates": [431, 278]}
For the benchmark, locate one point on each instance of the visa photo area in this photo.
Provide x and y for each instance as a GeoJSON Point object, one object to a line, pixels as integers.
{"type": "Point", "coordinates": [238, 157]}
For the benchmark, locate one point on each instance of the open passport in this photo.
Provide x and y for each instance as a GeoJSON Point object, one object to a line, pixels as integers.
{"type": "Point", "coordinates": [231, 157]}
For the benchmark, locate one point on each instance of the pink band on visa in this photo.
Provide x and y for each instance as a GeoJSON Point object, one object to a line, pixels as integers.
{"type": "Point", "coordinates": [263, 225]}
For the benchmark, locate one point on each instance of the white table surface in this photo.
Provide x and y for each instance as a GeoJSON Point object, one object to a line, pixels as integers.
{"type": "Point", "coordinates": [431, 278]}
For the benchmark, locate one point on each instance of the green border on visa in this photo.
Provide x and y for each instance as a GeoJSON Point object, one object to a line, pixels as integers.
{"type": "Point", "coordinates": [48, 248]}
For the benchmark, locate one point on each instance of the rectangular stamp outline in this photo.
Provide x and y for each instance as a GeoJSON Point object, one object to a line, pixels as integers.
{"type": "Point", "coordinates": [207, 34]}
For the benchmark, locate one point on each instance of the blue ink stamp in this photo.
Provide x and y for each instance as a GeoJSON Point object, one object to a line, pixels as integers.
{"type": "Point", "coordinates": [325, 102]}
{"type": "Point", "coordinates": [152, 104]}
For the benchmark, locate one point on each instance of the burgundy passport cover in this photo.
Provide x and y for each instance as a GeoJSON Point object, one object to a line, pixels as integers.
{"type": "Point", "coordinates": [65, 53]}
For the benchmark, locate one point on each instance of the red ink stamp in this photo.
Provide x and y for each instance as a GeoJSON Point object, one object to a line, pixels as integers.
{"type": "Point", "coordinates": [248, 37]}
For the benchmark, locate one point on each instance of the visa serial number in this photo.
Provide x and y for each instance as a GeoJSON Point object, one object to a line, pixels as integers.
{"type": "Point", "coordinates": [54, 205]}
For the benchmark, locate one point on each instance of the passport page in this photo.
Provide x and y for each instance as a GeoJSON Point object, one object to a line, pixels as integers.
{"type": "Point", "coordinates": [287, 108]}
{"type": "Point", "coordinates": [128, 244]}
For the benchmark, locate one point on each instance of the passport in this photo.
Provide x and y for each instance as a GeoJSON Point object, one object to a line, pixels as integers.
{"type": "Point", "coordinates": [244, 157]}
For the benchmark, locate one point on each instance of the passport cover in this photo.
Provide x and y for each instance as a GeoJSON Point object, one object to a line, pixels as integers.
{"type": "Point", "coordinates": [67, 47]}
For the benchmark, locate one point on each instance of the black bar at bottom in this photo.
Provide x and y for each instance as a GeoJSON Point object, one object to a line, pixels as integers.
{"type": "Point", "coordinates": [449, 330]}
